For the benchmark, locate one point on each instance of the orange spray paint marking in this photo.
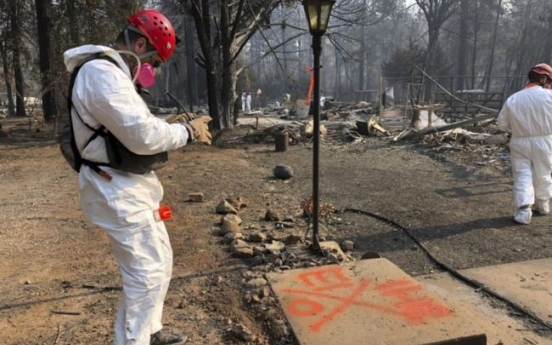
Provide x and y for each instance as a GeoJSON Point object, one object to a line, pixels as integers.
{"type": "Point", "coordinates": [402, 303]}
{"type": "Point", "coordinates": [333, 277]}
{"type": "Point", "coordinates": [296, 307]}
{"type": "Point", "coordinates": [414, 310]}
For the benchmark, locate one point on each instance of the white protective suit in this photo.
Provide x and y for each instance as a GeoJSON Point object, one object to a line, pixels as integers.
{"type": "Point", "coordinates": [248, 103]}
{"type": "Point", "coordinates": [528, 115]}
{"type": "Point", "coordinates": [125, 206]}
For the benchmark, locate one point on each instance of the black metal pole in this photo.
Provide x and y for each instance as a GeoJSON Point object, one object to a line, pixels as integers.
{"type": "Point", "coordinates": [317, 49]}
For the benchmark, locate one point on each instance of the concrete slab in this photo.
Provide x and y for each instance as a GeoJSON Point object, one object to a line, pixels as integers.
{"type": "Point", "coordinates": [528, 283]}
{"type": "Point", "coordinates": [500, 328]}
{"type": "Point", "coordinates": [370, 302]}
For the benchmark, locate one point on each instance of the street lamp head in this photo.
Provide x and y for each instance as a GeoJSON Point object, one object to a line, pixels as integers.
{"type": "Point", "coordinates": [318, 15]}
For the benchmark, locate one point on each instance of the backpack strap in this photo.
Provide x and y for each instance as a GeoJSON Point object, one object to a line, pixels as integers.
{"type": "Point", "coordinates": [98, 132]}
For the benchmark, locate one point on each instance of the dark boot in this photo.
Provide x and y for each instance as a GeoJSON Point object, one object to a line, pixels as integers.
{"type": "Point", "coordinates": [166, 338]}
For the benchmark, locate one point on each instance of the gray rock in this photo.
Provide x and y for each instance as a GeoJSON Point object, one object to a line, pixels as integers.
{"type": "Point", "coordinates": [196, 197]}
{"type": "Point", "coordinates": [216, 281]}
{"type": "Point", "coordinates": [258, 260]}
{"type": "Point", "coordinates": [282, 225]}
{"type": "Point", "coordinates": [256, 283]}
{"type": "Point", "coordinates": [238, 244]}
{"type": "Point", "coordinates": [286, 256]}
{"type": "Point", "coordinates": [241, 333]}
{"type": "Point", "coordinates": [275, 247]}
{"type": "Point", "coordinates": [261, 250]}
{"type": "Point", "coordinates": [283, 172]}
{"type": "Point", "coordinates": [224, 207]}
{"type": "Point", "coordinates": [272, 216]}
{"type": "Point", "coordinates": [231, 236]}
{"type": "Point", "coordinates": [231, 218]}
{"type": "Point", "coordinates": [243, 252]}
{"type": "Point", "coordinates": [277, 236]}
{"type": "Point", "coordinates": [293, 239]}
{"type": "Point", "coordinates": [279, 329]}
{"type": "Point", "coordinates": [347, 245]}
{"type": "Point", "coordinates": [248, 274]}
{"type": "Point", "coordinates": [257, 237]}
{"type": "Point", "coordinates": [265, 291]}
{"type": "Point", "coordinates": [237, 203]}
{"type": "Point", "coordinates": [229, 226]}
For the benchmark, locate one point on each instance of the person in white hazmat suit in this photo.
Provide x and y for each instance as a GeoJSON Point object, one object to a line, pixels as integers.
{"type": "Point", "coordinates": [243, 102]}
{"type": "Point", "coordinates": [248, 102]}
{"type": "Point", "coordinates": [528, 115]}
{"type": "Point", "coordinates": [126, 204]}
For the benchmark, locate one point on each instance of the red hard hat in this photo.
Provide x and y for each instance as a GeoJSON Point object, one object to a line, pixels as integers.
{"type": "Point", "coordinates": [157, 29]}
{"type": "Point", "coordinates": [542, 69]}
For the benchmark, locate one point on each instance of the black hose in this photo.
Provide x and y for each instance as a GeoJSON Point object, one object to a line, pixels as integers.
{"type": "Point", "coordinates": [468, 281]}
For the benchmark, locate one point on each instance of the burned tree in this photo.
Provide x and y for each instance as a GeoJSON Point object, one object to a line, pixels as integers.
{"type": "Point", "coordinates": [223, 28]}
{"type": "Point", "coordinates": [436, 12]}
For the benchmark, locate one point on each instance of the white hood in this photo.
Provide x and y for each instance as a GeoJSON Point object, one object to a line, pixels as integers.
{"type": "Point", "coordinates": [74, 56]}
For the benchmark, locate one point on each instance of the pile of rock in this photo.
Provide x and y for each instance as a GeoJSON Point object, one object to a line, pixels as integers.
{"type": "Point", "coordinates": [276, 242]}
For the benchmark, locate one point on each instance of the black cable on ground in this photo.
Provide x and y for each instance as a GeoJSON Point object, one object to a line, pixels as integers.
{"type": "Point", "coordinates": [471, 282]}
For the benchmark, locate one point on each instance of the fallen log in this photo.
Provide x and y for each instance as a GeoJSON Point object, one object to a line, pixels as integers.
{"type": "Point", "coordinates": [414, 133]}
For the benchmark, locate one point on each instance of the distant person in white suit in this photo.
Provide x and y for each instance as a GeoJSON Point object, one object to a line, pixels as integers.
{"type": "Point", "coordinates": [528, 115]}
{"type": "Point", "coordinates": [248, 102]}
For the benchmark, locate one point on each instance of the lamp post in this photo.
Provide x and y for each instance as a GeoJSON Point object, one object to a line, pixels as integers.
{"type": "Point", "coordinates": [318, 16]}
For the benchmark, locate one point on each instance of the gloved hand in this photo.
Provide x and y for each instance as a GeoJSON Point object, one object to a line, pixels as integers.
{"type": "Point", "coordinates": [180, 118]}
{"type": "Point", "coordinates": [201, 129]}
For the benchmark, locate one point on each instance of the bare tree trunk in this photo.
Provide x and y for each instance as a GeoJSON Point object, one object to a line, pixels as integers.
{"type": "Point", "coordinates": [221, 44]}
{"type": "Point", "coordinates": [489, 71]}
{"type": "Point", "coordinates": [363, 56]}
{"type": "Point", "coordinates": [433, 36]}
{"type": "Point", "coordinates": [256, 44]}
{"type": "Point", "coordinates": [73, 20]}
{"type": "Point", "coordinates": [436, 13]}
{"type": "Point", "coordinates": [44, 31]}
{"type": "Point", "coordinates": [227, 95]}
{"type": "Point", "coordinates": [463, 46]}
{"type": "Point", "coordinates": [301, 43]}
{"type": "Point", "coordinates": [474, 50]}
{"type": "Point", "coordinates": [547, 55]}
{"type": "Point", "coordinates": [211, 61]}
{"type": "Point", "coordinates": [191, 80]}
{"type": "Point", "coordinates": [284, 49]}
{"type": "Point", "coordinates": [521, 47]}
{"type": "Point", "coordinates": [233, 96]}
{"type": "Point", "coordinates": [16, 53]}
{"type": "Point", "coordinates": [7, 81]}
{"type": "Point", "coordinates": [337, 86]}
{"type": "Point", "coordinates": [362, 60]}
{"type": "Point", "coordinates": [429, 65]}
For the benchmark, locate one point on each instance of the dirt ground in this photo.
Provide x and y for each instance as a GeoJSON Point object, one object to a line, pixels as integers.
{"type": "Point", "coordinates": [60, 284]}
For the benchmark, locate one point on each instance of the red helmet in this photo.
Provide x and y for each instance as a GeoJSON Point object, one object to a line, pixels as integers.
{"type": "Point", "coordinates": [542, 69]}
{"type": "Point", "coordinates": [157, 29]}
